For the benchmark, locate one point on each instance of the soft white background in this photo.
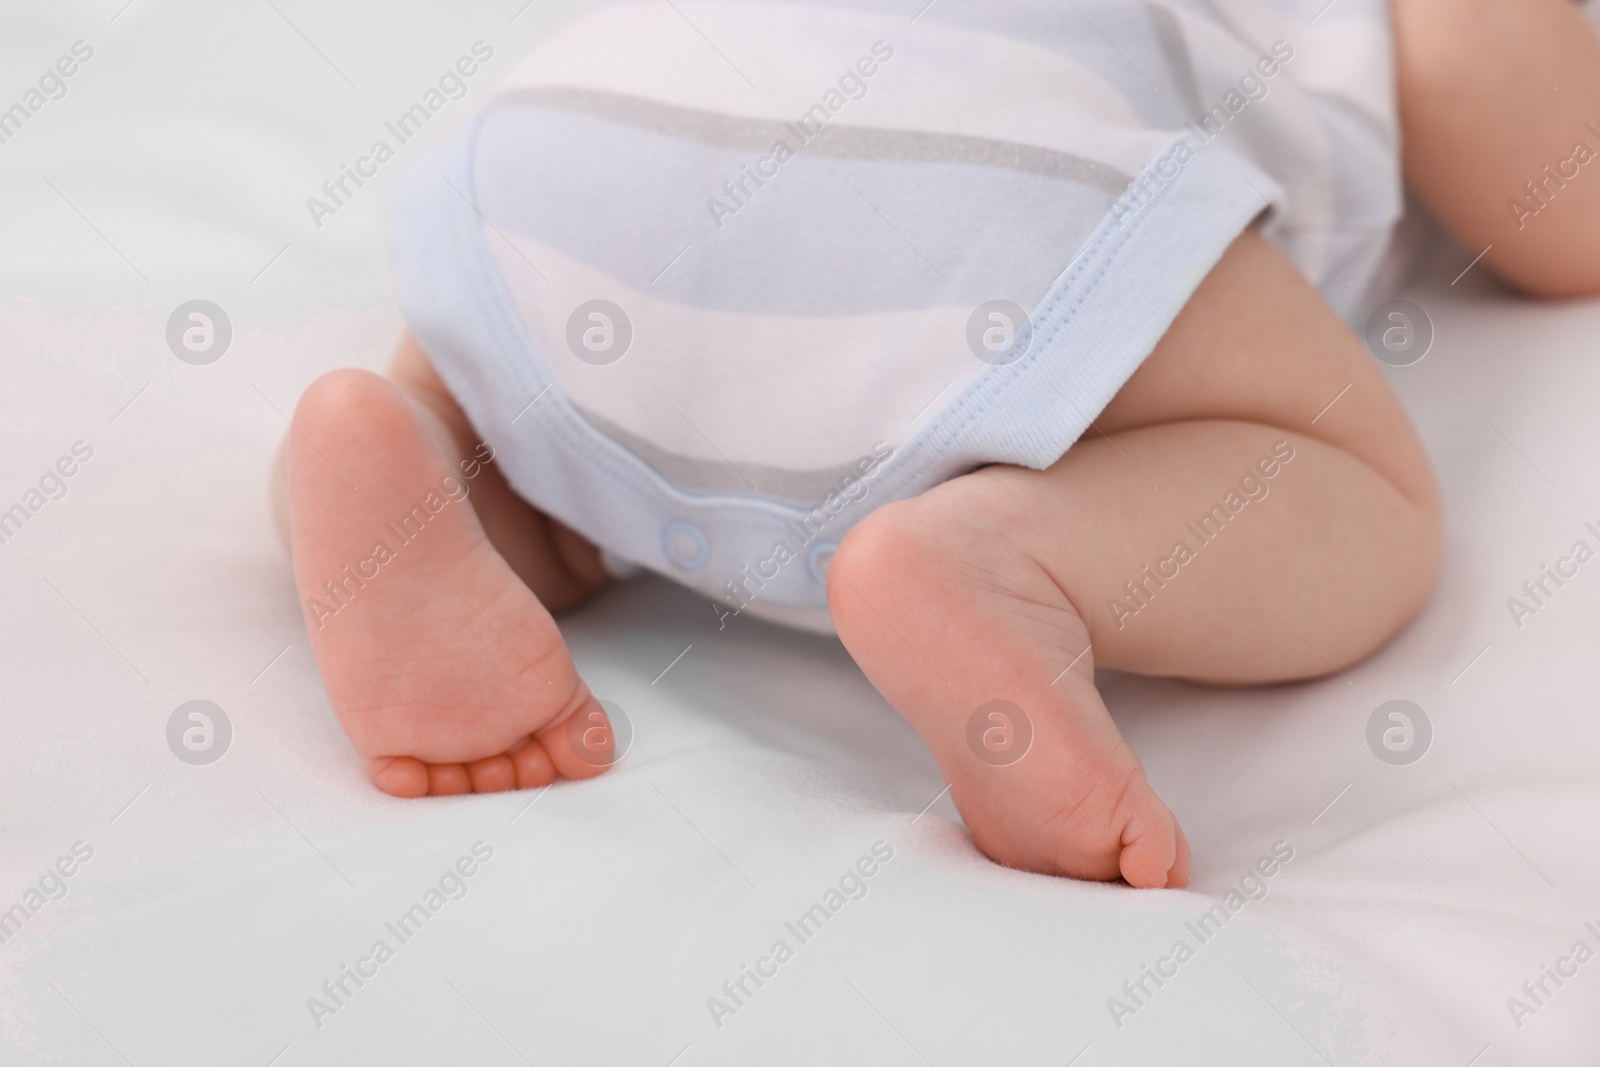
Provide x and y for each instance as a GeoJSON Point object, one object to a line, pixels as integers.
{"type": "Point", "coordinates": [763, 764]}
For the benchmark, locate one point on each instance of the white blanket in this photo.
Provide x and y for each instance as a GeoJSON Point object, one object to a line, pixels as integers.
{"type": "Point", "coordinates": [207, 905]}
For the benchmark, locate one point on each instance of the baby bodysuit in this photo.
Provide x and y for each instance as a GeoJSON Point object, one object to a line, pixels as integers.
{"type": "Point", "coordinates": [715, 278]}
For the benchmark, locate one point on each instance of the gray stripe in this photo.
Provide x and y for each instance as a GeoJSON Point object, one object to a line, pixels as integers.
{"type": "Point", "coordinates": [710, 476]}
{"type": "Point", "coordinates": [1169, 35]}
{"type": "Point", "coordinates": [819, 241]}
{"type": "Point", "coordinates": [850, 142]}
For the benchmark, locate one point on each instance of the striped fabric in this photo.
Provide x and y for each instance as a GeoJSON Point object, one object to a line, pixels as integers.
{"type": "Point", "coordinates": [800, 220]}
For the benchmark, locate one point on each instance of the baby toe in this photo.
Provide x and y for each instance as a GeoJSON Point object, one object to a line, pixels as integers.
{"type": "Point", "coordinates": [1151, 839]}
{"type": "Point", "coordinates": [494, 774]}
{"type": "Point", "coordinates": [583, 745]}
{"type": "Point", "coordinates": [1178, 877]}
{"type": "Point", "coordinates": [448, 780]}
{"type": "Point", "coordinates": [532, 765]}
{"type": "Point", "coordinates": [399, 776]}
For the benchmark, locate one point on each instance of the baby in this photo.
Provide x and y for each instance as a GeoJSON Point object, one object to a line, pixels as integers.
{"type": "Point", "coordinates": [1005, 340]}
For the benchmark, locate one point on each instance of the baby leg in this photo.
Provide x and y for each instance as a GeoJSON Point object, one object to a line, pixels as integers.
{"type": "Point", "coordinates": [427, 586]}
{"type": "Point", "coordinates": [1495, 98]}
{"type": "Point", "coordinates": [1012, 585]}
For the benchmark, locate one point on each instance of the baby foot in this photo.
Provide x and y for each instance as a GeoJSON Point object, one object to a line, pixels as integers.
{"type": "Point", "coordinates": [445, 671]}
{"type": "Point", "coordinates": [985, 655]}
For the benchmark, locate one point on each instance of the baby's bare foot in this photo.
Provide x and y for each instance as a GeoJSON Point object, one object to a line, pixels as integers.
{"type": "Point", "coordinates": [447, 673]}
{"type": "Point", "coordinates": [970, 640]}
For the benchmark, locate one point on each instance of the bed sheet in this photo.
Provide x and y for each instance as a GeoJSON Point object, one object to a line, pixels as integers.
{"type": "Point", "coordinates": [215, 912]}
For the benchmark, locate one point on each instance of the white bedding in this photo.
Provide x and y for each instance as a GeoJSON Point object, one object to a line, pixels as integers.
{"type": "Point", "coordinates": [218, 899]}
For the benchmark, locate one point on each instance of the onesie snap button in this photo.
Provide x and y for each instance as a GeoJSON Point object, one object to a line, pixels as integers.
{"type": "Point", "coordinates": [685, 544]}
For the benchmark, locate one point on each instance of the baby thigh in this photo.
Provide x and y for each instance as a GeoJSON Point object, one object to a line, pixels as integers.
{"type": "Point", "coordinates": [1500, 127]}
{"type": "Point", "coordinates": [1253, 506]}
